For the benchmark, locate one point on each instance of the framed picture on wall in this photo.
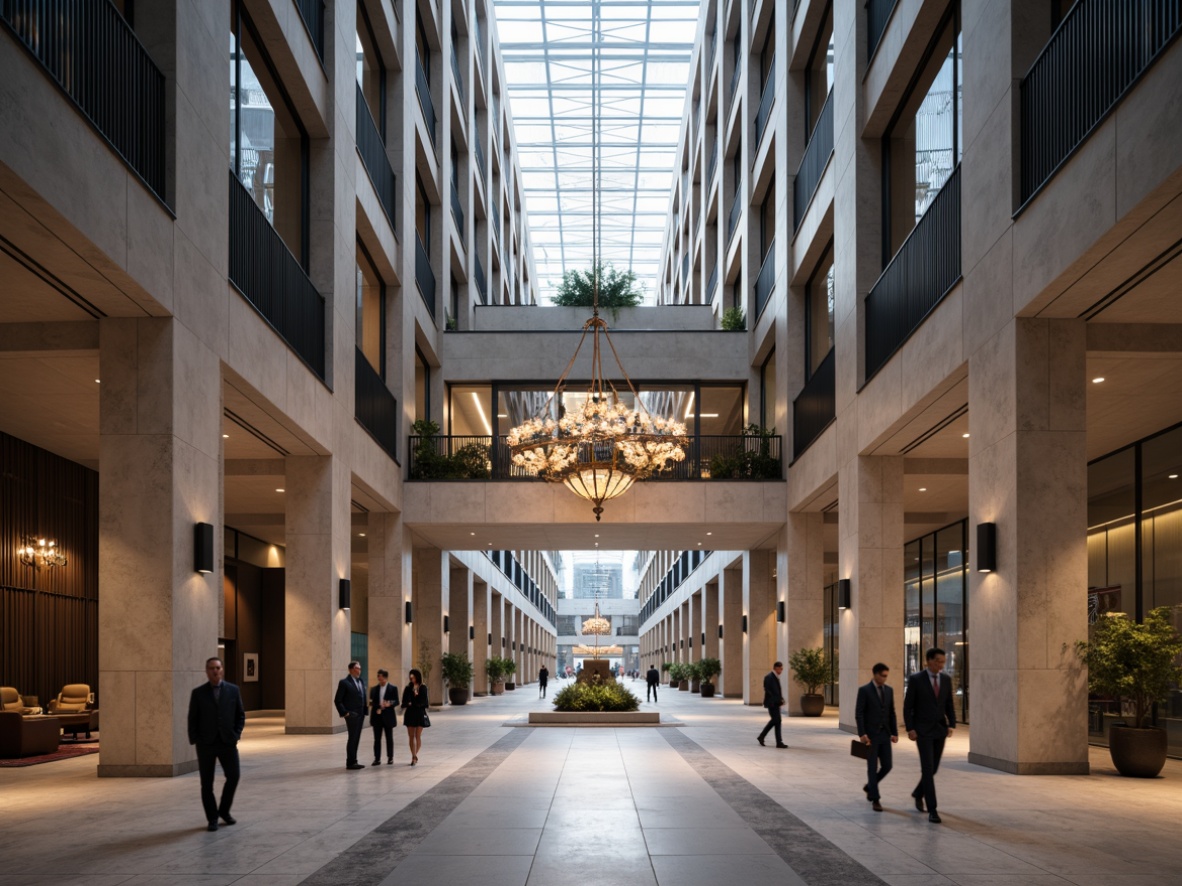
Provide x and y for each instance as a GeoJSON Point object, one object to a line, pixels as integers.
{"type": "Point", "coordinates": [250, 667]}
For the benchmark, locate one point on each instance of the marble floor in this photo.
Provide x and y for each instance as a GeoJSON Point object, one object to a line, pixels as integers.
{"type": "Point", "coordinates": [489, 804]}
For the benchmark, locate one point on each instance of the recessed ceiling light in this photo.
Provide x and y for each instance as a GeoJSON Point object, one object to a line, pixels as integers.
{"type": "Point", "coordinates": [280, 490]}
{"type": "Point", "coordinates": [225, 436]}
{"type": "Point", "coordinates": [1097, 379]}
{"type": "Point", "coordinates": [699, 544]}
{"type": "Point", "coordinates": [98, 381]}
{"type": "Point", "coordinates": [361, 535]}
{"type": "Point", "coordinates": [923, 489]}
{"type": "Point", "coordinates": [709, 533]}
{"type": "Point", "coordinates": [471, 533]}
{"type": "Point", "coordinates": [1173, 476]}
{"type": "Point", "coordinates": [966, 436]}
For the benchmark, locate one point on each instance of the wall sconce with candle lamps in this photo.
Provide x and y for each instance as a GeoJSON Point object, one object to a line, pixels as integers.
{"type": "Point", "coordinates": [41, 554]}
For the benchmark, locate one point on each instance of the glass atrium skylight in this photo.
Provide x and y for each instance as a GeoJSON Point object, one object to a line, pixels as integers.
{"type": "Point", "coordinates": [546, 46]}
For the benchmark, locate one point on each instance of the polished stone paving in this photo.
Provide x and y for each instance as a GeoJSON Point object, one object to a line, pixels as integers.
{"type": "Point", "coordinates": [498, 805]}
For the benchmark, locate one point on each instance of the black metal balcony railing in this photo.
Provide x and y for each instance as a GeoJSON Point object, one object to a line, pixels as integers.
{"type": "Point", "coordinates": [92, 54]}
{"type": "Point", "coordinates": [738, 69]}
{"type": "Point", "coordinates": [374, 405]}
{"type": "Point", "coordinates": [926, 266]}
{"type": "Point", "coordinates": [372, 149]}
{"type": "Point", "coordinates": [765, 283]}
{"type": "Point", "coordinates": [815, 407]}
{"type": "Point", "coordinates": [496, 219]}
{"type": "Point", "coordinates": [713, 47]}
{"type": "Point", "coordinates": [455, 68]}
{"type": "Point", "coordinates": [481, 283]}
{"type": "Point", "coordinates": [812, 164]}
{"type": "Point", "coordinates": [271, 279]}
{"type": "Point", "coordinates": [732, 220]}
{"type": "Point", "coordinates": [711, 285]}
{"type": "Point", "coordinates": [424, 276]}
{"type": "Point", "coordinates": [878, 13]}
{"type": "Point", "coordinates": [712, 166]}
{"type": "Point", "coordinates": [765, 104]}
{"type": "Point", "coordinates": [481, 166]}
{"type": "Point", "coordinates": [480, 50]}
{"type": "Point", "coordinates": [685, 268]}
{"type": "Point", "coordinates": [312, 12]}
{"type": "Point", "coordinates": [737, 457]}
{"type": "Point", "coordinates": [1098, 52]}
{"type": "Point", "coordinates": [457, 211]}
{"type": "Point", "coordinates": [423, 91]}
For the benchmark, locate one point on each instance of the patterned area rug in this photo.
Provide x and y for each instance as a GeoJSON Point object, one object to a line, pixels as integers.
{"type": "Point", "coordinates": [64, 752]}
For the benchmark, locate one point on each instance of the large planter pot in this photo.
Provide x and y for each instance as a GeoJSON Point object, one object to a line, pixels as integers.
{"type": "Point", "coordinates": [510, 686]}
{"type": "Point", "coordinates": [696, 686]}
{"type": "Point", "coordinates": [1138, 753]}
{"type": "Point", "coordinates": [683, 686]}
{"type": "Point", "coordinates": [457, 696]}
{"type": "Point", "coordinates": [707, 690]}
{"type": "Point", "coordinates": [498, 688]}
{"type": "Point", "coordinates": [812, 705]}
{"type": "Point", "coordinates": [673, 684]}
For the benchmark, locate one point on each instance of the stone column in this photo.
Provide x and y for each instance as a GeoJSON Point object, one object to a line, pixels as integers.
{"type": "Point", "coordinates": [1028, 476]}
{"type": "Point", "coordinates": [870, 555]}
{"type": "Point", "coordinates": [160, 414]}
{"type": "Point", "coordinates": [806, 588]}
{"type": "Point", "coordinates": [481, 604]}
{"type": "Point", "coordinates": [730, 589]}
{"type": "Point", "coordinates": [759, 600]}
{"type": "Point", "coordinates": [317, 632]}
{"type": "Point", "coordinates": [459, 610]}
{"type": "Point", "coordinates": [497, 624]}
{"type": "Point", "coordinates": [711, 618]}
{"type": "Point", "coordinates": [431, 580]}
{"type": "Point", "coordinates": [389, 635]}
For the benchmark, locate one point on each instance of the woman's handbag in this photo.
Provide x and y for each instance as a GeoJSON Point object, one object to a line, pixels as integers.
{"type": "Point", "coordinates": [859, 750]}
{"type": "Point", "coordinates": [426, 720]}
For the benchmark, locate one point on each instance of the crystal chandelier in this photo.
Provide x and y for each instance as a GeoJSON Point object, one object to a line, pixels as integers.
{"type": "Point", "coordinates": [42, 554]}
{"type": "Point", "coordinates": [597, 447]}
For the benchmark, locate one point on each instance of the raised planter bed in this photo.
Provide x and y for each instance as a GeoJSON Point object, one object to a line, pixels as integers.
{"type": "Point", "coordinates": [594, 718]}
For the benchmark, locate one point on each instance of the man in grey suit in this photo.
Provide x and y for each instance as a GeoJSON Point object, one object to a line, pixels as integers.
{"type": "Point", "coordinates": [351, 705]}
{"type": "Point", "coordinates": [929, 715]}
{"type": "Point", "coordinates": [773, 700]}
{"type": "Point", "coordinates": [216, 721]}
{"type": "Point", "coordinates": [875, 716]}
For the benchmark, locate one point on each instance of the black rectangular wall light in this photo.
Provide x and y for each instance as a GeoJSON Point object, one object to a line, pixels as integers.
{"type": "Point", "coordinates": [720, 632]}
{"type": "Point", "coordinates": [843, 593]}
{"type": "Point", "coordinates": [471, 632]}
{"type": "Point", "coordinates": [203, 548]}
{"type": "Point", "coordinates": [409, 612]}
{"type": "Point", "coordinates": [344, 593]}
{"type": "Point", "coordinates": [490, 638]}
{"type": "Point", "coordinates": [703, 639]}
{"type": "Point", "coordinates": [744, 623]}
{"type": "Point", "coordinates": [780, 617]}
{"type": "Point", "coordinates": [446, 625]}
{"type": "Point", "coordinates": [986, 547]}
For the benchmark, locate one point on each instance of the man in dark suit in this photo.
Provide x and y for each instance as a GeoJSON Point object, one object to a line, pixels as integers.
{"type": "Point", "coordinates": [875, 715]}
{"type": "Point", "coordinates": [653, 679]}
{"type": "Point", "coordinates": [383, 704]}
{"type": "Point", "coordinates": [350, 702]}
{"type": "Point", "coordinates": [773, 700]}
{"type": "Point", "coordinates": [929, 715]}
{"type": "Point", "coordinates": [216, 721]}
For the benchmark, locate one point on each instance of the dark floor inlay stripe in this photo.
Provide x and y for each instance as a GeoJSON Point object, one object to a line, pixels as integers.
{"type": "Point", "coordinates": [404, 830]}
{"type": "Point", "coordinates": [814, 859]}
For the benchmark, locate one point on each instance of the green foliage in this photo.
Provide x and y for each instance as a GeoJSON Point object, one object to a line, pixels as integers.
{"type": "Point", "coordinates": [617, 289]}
{"type": "Point", "coordinates": [457, 670]}
{"type": "Point", "coordinates": [709, 668]}
{"type": "Point", "coordinates": [693, 672]}
{"type": "Point", "coordinates": [750, 459]}
{"type": "Point", "coordinates": [424, 664]}
{"type": "Point", "coordinates": [677, 672]}
{"type": "Point", "coordinates": [509, 666]}
{"type": "Point", "coordinates": [734, 320]}
{"type": "Point", "coordinates": [595, 697]}
{"type": "Point", "coordinates": [809, 668]}
{"type": "Point", "coordinates": [494, 666]}
{"type": "Point", "coordinates": [665, 665]}
{"type": "Point", "coordinates": [1135, 662]}
{"type": "Point", "coordinates": [470, 462]}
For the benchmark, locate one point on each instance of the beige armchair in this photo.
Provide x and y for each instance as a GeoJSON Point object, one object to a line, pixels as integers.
{"type": "Point", "coordinates": [11, 700]}
{"type": "Point", "coordinates": [73, 699]}
{"type": "Point", "coordinates": [27, 736]}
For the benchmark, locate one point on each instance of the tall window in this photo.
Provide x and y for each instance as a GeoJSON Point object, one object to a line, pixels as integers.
{"type": "Point", "coordinates": [767, 54]}
{"type": "Point", "coordinates": [767, 219]}
{"type": "Point", "coordinates": [422, 214]}
{"type": "Point", "coordinates": [767, 398]}
{"type": "Point", "coordinates": [818, 313]}
{"type": "Point", "coordinates": [818, 76]}
{"type": "Point", "coordinates": [268, 146]}
{"type": "Point", "coordinates": [371, 312]}
{"type": "Point", "coordinates": [371, 76]}
{"type": "Point", "coordinates": [422, 387]}
{"type": "Point", "coordinates": [923, 143]}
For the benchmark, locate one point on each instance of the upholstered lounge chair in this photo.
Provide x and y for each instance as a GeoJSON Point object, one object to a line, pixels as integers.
{"type": "Point", "coordinates": [73, 699]}
{"type": "Point", "coordinates": [10, 700]}
{"type": "Point", "coordinates": [27, 736]}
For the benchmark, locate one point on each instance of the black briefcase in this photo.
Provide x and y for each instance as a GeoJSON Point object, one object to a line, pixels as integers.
{"type": "Point", "coordinates": [859, 750]}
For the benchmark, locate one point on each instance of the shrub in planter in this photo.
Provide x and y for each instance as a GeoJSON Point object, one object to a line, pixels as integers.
{"type": "Point", "coordinates": [595, 697]}
{"type": "Point", "coordinates": [709, 668]}
{"type": "Point", "coordinates": [750, 459]}
{"type": "Point", "coordinates": [677, 674]}
{"type": "Point", "coordinates": [810, 670]}
{"type": "Point", "coordinates": [457, 674]}
{"type": "Point", "coordinates": [734, 320]}
{"type": "Point", "coordinates": [495, 669]}
{"type": "Point", "coordinates": [695, 677]}
{"type": "Point", "coordinates": [510, 667]}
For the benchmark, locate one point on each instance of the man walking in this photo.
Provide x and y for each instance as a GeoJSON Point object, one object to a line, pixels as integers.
{"type": "Point", "coordinates": [383, 716]}
{"type": "Point", "coordinates": [543, 678]}
{"type": "Point", "coordinates": [875, 716]}
{"type": "Point", "coordinates": [653, 679]}
{"type": "Point", "coordinates": [216, 721]}
{"type": "Point", "coordinates": [929, 715]}
{"type": "Point", "coordinates": [350, 702]}
{"type": "Point", "coordinates": [773, 700]}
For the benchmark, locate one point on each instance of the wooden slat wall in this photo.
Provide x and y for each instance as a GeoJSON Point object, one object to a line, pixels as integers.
{"type": "Point", "coordinates": [48, 617]}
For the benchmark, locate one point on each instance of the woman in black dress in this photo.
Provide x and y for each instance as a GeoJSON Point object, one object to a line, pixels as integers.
{"type": "Point", "coordinates": [414, 705]}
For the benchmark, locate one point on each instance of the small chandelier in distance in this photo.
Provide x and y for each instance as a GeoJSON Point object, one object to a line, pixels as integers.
{"type": "Point", "coordinates": [44, 554]}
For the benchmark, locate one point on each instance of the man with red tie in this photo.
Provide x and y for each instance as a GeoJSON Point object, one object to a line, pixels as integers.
{"type": "Point", "coordinates": [929, 715]}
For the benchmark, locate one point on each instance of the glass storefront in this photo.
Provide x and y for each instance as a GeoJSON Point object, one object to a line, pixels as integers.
{"type": "Point", "coordinates": [1135, 553]}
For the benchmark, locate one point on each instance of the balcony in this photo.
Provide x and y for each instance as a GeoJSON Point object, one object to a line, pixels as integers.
{"type": "Point", "coordinates": [312, 12]}
{"type": "Point", "coordinates": [374, 405]}
{"type": "Point", "coordinates": [1098, 52]}
{"type": "Point", "coordinates": [424, 276]}
{"type": "Point", "coordinates": [91, 53]}
{"type": "Point", "coordinates": [373, 156]}
{"type": "Point", "coordinates": [712, 166]}
{"type": "Point", "coordinates": [481, 166]}
{"type": "Point", "coordinates": [813, 163]}
{"type": "Point", "coordinates": [423, 91]}
{"type": "Point", "coordinates": [455, 69]}
{"type": "Point", "coordinates": [878, 13]}
{"type": "Point", "coordinates": [765, 283]}
{"type": "Point", "coordinates": [732, 221]}
{"type": "Point", "coordinates": [271, 279]}
{"type": "Point", "coordinates": [737, 457]}
{"type": "Point", "coordinates": [481, 283]}
{"type": "Point", "coordinates": [765, 105]}
{"type": "Point", "coordinates": [711, 285]}
{"type": "Point", "coordinates": [815, 407]}
{"type": "Point", "coordinates": [457, 212]}
{"type": "Point", "coordinates": [738, 69]}
{"type": "Point", "coordinates": [921, 273]}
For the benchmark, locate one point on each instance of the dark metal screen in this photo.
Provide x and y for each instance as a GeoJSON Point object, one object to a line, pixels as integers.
{"type": "Point", "coordinates": [765, 283]}
{"type": "Point", "coordinates": [312, 12]}
{"type": "Point", "coordinates": [878, 13]}
{"type": "Point", "coordinates": [423, 91]}
{"type": "Point", "coordinates": [424, 276]}
{"type": "Point", "coordinates": [372, 149]}
{"type": "Point", "coordinates": [765, 105]}
{"type": "Point", "coordinates": [812, 164]}
{"type": "Point", "coordinates": [374, 405]}
{"type": "Point", "coordinates": [815, 407]}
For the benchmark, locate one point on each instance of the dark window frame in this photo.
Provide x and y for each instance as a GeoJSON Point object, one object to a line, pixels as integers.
{"type": "Point", "coordinates": [363, 20]}
{"type": "Point", "coordinates": [381, 308]}
{"type": "Point", "coordinates": [822, 263]}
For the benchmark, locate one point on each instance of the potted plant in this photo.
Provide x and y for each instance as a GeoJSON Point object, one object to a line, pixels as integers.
{"type": "Point", "coordinates": [695, 677]}
{"type": "Point", "coordinates": [457, 674]}
{"type": "Point", "coordinates": [734, 320]}
{"type": "Point", "coordinates": [676, 675]}
{"type": "Point", "coordinates": [510, 668]}
{"type": "Point", "coordinates": [709, 668]}
{"type": "Point", "coordinates": [495, 669]}
{"type": "Point", "coordinates": [810, 670]}
{"type": "Point", "coordinates": [1135, 663]}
